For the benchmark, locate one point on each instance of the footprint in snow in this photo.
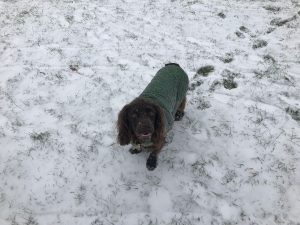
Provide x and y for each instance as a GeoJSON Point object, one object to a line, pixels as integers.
{"type": "Point", "coordinates": [203, 71]}
{"type": "Point", "coordinates": [241, 32]}
{"type": "Point", "coordinates": [259, 43]}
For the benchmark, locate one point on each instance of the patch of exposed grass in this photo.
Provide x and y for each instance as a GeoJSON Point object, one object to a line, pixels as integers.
{"type": "Point", "coordinates": [259, 74]}
{"type": "Point", "coordinates": [239, 34]}
{"type": "Point", "coordinates": [271, 8]}
{"type": "Point", "coordinates": [222, 15]}
{"type": "Point", "coordinates": [80, 195]}
{"type": "Point", "coordinates": [229, 177]}
{"type": "Point", "coordinates": [31, 221]}
{"type": "Point", "coordinates": [74, 67]}
{"type": "Point", "coordinates": [270, 30]}
{"type": "Point", "coordinates": [202, 104]}
{"type": "Point", "coordinates": [294, 113]}
{"type": "Point", "coordinates": [123, 66]}
{"type": "Point", "coordinates": [244, 29]}
{"type": "Point", "coordinates": [261, 115]}
{"type": "Point", "coordinates": [42, 137]}
{"type": "Point", "coordinates": [280, 22]}
{"type": "Point", "coordinates": [69, 18]}
{"type": "Point", "coordinates": [97, 222]}
{"type": "Point", "coordinates": [214, 85]}
{"type": "Point", "coordinates": [274, 72]}
{"type": "Point", "coordinates": [199, 169]}
{"type": "Point", "coordinates": [195, 84]}
{"type": "Point", "coordinates": [205, 70]}
{"type": "Point", "coordinates": [228, 58]}
{"type": "Point", "coordinates": [259, 44]}
{"type": "Point", "coordinates": [269, 58]}
{"type": "Point", "coordinates": [229, 83]}
{"type": "Point", "coordinates": [229, 74]}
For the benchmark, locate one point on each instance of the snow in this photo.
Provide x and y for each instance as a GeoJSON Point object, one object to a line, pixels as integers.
{"type": "Point", "coordinates": [292, 197]}
{"type": "Point", "coordinates": [68, 67]}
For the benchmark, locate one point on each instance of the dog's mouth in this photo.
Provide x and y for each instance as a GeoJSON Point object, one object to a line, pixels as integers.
{"type": "Point", "coordinates": [145, 136]}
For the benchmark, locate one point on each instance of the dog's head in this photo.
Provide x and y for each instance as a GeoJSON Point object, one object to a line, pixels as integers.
{"type": "Point", "coordinates": [140, 121]}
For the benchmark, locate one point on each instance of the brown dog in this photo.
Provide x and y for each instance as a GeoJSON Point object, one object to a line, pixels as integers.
{"type": "Point", "coordinates": [145, 121]}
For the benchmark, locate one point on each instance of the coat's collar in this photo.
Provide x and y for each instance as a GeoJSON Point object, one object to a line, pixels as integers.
{"type": "Point", "coordinates": [141, 146]}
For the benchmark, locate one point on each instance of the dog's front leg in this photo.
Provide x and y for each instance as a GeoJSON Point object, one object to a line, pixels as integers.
{"type": "Point", "coordinates": [135, 148]}
{"type": "Point", "coordinates": [152, 159]}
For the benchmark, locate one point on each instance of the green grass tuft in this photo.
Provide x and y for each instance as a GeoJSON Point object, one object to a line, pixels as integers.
{"type": "Point", "coordinates": [205, 70]}
{"type": "Point", "coordinates": [229, 84]}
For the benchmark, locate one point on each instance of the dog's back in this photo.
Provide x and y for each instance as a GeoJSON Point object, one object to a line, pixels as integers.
{"type": "Point", "coordinates": [168, 88]}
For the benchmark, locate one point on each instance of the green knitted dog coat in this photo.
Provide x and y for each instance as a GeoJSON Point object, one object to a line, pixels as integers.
{"type": "Point", "coordinates": [168, 89]}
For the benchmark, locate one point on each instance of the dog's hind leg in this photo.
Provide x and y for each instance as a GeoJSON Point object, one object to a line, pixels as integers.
{"type": "Point", "coordinates": [180, 110]}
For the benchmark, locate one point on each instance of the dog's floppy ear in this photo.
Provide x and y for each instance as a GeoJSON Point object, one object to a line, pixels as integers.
{"type": "Point", "coordinates": [159, 125]}
{"type": "Point", "coordinates": [124, 133]}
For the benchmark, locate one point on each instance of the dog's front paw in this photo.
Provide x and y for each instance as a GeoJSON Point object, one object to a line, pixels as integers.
{"type": "Point", "coordinates": [151, 162]}
{"type": "Point", "coordinates": [135, 150]}
{"type": "Point", "coordinates": [179, 115]}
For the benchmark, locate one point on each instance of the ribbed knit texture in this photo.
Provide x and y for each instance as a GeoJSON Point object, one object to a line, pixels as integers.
{"type": "Point", "coordinates": [167, 89]}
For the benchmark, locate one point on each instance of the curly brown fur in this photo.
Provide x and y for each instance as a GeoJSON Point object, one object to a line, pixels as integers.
{"type": "Point", "coordinates": [149, 120]}
{"type": "Point", "coordinates": [127, 134]}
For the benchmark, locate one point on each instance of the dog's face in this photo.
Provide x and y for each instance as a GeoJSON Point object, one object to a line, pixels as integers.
{"type": "Point", "coordinates": [140, 121]}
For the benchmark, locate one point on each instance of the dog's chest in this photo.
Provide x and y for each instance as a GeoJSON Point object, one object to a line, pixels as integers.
{"type": "Point", "coordinates": [143, 146]}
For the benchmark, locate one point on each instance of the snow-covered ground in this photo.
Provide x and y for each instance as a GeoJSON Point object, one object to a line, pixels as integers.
{"type": "Point", "coordinates": [67, 67]}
